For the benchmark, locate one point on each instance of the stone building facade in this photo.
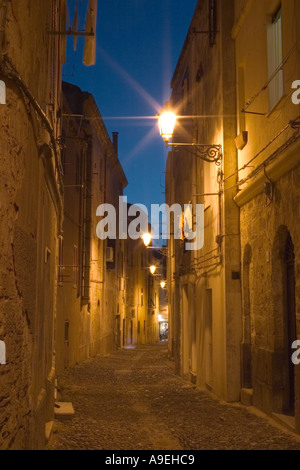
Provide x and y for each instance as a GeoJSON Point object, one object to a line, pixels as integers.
{"type": "Point", "coordinates": [234, 305]}
{"type": "Point", "coordinates": [269, 197]}
{"type": "Point", "coordinates": [31, 215]}
{"type": "Point", "coordinates": [91, 299]}
{"type": "Point", "coordinates": [140, 325]}
{"type": "Point", "coordinates": [204, 288]}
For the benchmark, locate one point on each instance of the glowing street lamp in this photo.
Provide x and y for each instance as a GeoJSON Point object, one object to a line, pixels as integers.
{"type": "Point", "coordinates": [162, 284]}
{"type": "Point", "coordinates": [147, 237]}
{"type": "Point", "coordinates": [152, 269]}
{"type": "Point", "coordinates": [166, 122]}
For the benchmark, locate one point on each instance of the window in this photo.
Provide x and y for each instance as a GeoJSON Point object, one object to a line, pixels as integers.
{"type": "Point", "coordinates": [276, 86]}
{"type": "Point", "coordinates": [142, 297]}
{"type": "Point", "coordinates": [110, 253]}
{"type": "Point", "coordinates": [212, 22]}
{"type": "Point", "coordinates": [67, 325]}
{"type": "Point", "coordinates": [185, 88]}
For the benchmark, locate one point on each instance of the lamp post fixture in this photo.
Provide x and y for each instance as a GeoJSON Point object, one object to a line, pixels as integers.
{"type": "Point", "coordinates": [152, 269]}
{"type": "Point", "coordinates": [162, 284]}
{"type": "Point", "coordinates": [147, 237]}
{"type": "Point", "coordinates": [209, 152]}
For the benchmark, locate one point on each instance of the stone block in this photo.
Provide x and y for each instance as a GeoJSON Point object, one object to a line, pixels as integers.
{"type": "Point", "coordinates": [63, 410]}
{"type": "Point", "coordinates": [48, 430]}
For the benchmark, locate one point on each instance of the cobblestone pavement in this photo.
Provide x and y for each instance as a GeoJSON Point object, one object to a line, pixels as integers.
{"type": "Point", "coordinates": [131, 400]}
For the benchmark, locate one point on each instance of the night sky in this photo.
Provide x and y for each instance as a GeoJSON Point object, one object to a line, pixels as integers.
{"type": "Point", "coordinates": [138, 45]}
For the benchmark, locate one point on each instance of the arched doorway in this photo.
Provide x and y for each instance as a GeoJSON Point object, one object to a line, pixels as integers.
{"type": "Point", "coordinates": [290, 331]}
{"type": "Point", "coordinates": [283, 281]}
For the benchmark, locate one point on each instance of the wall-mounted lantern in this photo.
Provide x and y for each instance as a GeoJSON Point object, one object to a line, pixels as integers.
{"type": "Point", "coordinates": [209, 152]}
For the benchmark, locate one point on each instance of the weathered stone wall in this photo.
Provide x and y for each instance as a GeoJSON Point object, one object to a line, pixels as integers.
{"type": "Point", "coordinates": [269, 205]}
{"type": "Point", "coordinates": [15, 376]}
{"type": "Point", "coordinates": [204, 295]}
{"type": "Point", "coordinates": [141, 321]}
{"type": "Point", "coordinates": [30, 214]}
{"type": "Point", "coordinates": [106, 297]}
{"type": "Point", "coordinates": [92, 175]}
{"type": "Point", "coordinates": [261, 224]}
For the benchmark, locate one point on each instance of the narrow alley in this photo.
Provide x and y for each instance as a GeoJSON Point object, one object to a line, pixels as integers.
{"type": "Point", "coordinates": [131, 400]}
{"type": "Point", "coordinates": [149, 225]}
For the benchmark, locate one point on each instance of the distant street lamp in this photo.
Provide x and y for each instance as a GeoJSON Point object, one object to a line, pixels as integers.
{"type": "Point", "coordinates": [152, 269]}
{"type": "Point", "coordinates": [162, 284]}
{"type": "Point", "coordinates": [166, 122]}
{"type": "Point", "coordinates": [147, 237]}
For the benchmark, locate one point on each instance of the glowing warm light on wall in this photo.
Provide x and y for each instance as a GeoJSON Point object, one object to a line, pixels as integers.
{"type": "Point", "coordinates": [162, 284]}
{"type": "Point", "coordinates": [166, 123]}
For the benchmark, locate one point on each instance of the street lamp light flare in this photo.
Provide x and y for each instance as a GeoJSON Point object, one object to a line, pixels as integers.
{"type": "Point", "coordinates": [147, 237]}
{"type": "Point", "coordinates": [162, 284]}
{"type": "Point", "coordinates": [152, 269]}
{"type": "Point", "coordinates": [166, 123]}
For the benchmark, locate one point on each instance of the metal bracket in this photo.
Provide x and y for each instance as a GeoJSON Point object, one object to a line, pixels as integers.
{"type": "Point", "coordinates": [295, 124]}
{"type": "Point", "coordinates": [69, 32]}
{"type": "Point", "coordinates": [209, 152]}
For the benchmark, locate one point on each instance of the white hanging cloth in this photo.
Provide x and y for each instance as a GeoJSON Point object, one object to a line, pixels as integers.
{"type": "Point", "coordinates": [89, 56]}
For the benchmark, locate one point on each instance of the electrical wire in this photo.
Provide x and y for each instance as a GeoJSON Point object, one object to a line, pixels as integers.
{"type": "Point", "coordinates": [273, 75]}
{"type": "Point", "coordinates": [259, 153]}
{"type": "Point", "coordinates": [9, 70]}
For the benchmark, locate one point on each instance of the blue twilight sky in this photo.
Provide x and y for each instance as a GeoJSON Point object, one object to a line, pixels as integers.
{"type": "Point", "coordinates": [138, 45]}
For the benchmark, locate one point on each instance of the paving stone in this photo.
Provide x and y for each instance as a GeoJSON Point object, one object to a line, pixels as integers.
{"type": "Point", "coordinates": [148, 407]}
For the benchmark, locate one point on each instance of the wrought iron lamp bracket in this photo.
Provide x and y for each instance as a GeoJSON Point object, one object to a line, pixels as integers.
{"type": "Point", "coordinates": [209, 153]}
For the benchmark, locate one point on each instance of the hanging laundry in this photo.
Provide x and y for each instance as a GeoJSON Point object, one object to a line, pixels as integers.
{"type": "Point", "coordinates": [75, 27]}
{"type": "Point", "coordinates": [89, 56]}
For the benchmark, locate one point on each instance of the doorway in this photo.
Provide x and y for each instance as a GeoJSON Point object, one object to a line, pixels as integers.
{"type": "Point", "coordinates": [246, 346]}
{"type": "Point", "coordinates": [208, 348]}
{"type": "Point", "coordinates": [185, 338]}
{"type": "Point", "coordinates": [283, 283]}
{"type": "Point", "coordinates": [290, 322]}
